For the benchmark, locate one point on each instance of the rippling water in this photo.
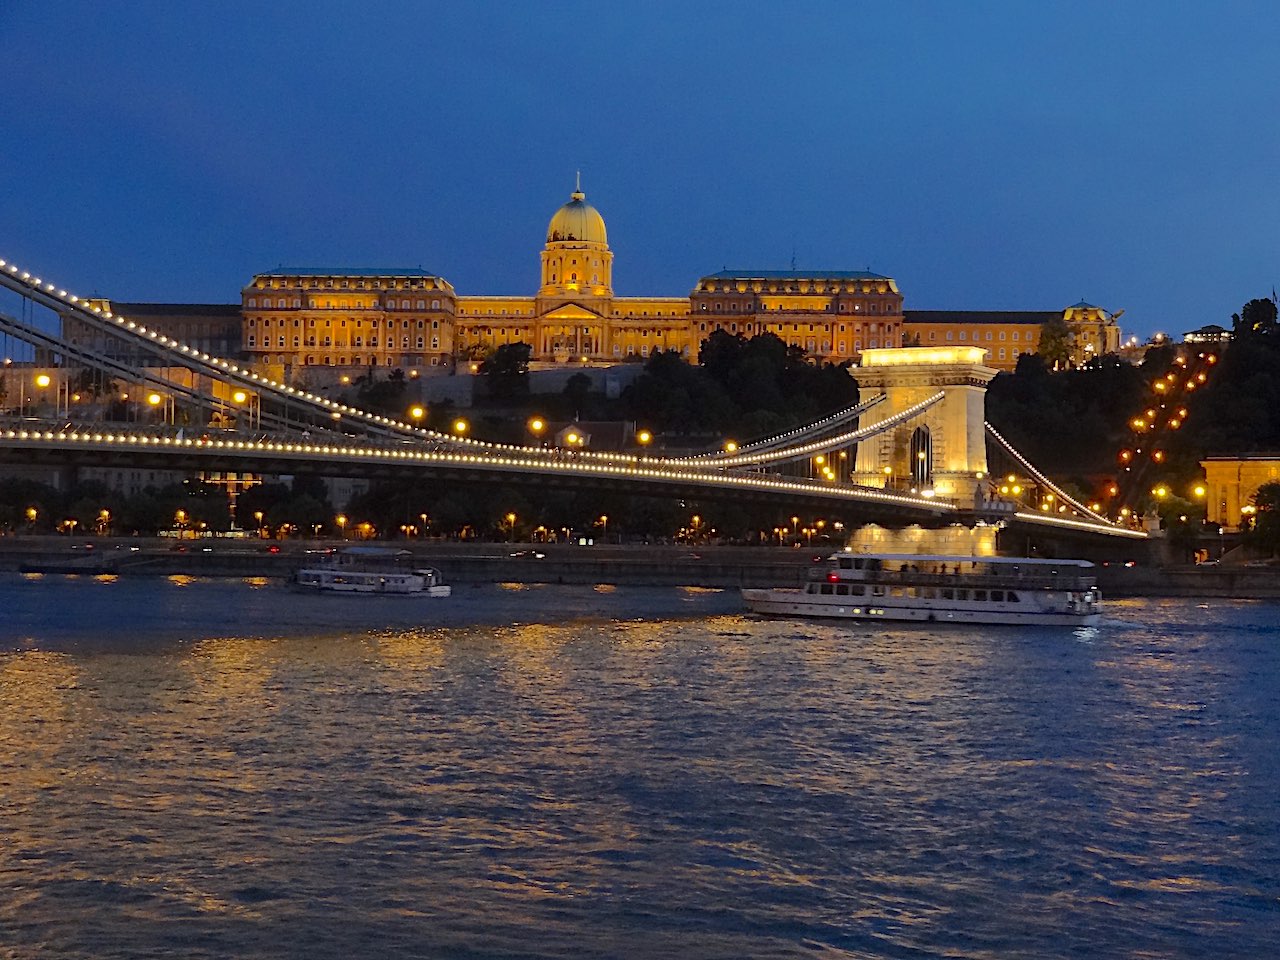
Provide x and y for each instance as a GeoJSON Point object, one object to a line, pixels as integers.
{"type": "Point", "coordinates": [213, 769]}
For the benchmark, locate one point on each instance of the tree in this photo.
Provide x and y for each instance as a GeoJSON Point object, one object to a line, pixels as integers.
{"type": "Point", "coordinates": [507, 371]}
{"type": "Point", "coordinates": [575, 392]}
{"type": "Point", "coordinates": [1257, 318]}
{"type": "Point", "coordinates": [1266, 526]}
{"type": "Point", "coordinates": [1056, 342]}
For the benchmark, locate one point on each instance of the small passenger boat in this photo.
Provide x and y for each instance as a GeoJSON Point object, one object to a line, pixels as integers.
{"type": "Point", "coordinates": [958, 589]}
{"type": "Point", "coordinates": [375, 570]}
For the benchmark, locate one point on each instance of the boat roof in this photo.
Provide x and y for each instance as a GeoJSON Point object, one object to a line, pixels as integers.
{"type": "Point", "coordinates": [960, 558]}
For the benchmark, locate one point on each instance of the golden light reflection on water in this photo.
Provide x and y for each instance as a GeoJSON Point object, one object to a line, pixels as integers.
{"type": "Point", "coordinates": [181, 579]}
{"type": "Point", "coordinates": [257, 582]}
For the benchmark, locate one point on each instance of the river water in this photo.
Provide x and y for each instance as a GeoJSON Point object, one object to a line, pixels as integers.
{"type": "Point", "coordinates": [221, 768]}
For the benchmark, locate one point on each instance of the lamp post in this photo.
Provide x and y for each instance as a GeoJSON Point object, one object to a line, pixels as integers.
{"type": "Point", "coordinates": [257, 518]}
{"type": "Point", "coordinates": [423, 517]}
{"type": "Point", "coordinates": [604, 528]}
{"type": "Point", "coordinates": [342, 525]}
{"type": "Point", "coordinates": [511, 527]}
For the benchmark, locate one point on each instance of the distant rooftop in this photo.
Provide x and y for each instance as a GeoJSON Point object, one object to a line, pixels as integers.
{"type": "Point", "coordinates": [347, 272]}
{"type": "Point", "coordinates": [794, 275]}
{"type": "Point", "coordinates": [136, 310]}
{"type": "Point", "coordinates": [980, 316]}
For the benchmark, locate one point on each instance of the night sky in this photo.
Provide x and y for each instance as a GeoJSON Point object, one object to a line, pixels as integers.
{"type": "Point", "coordinates": [986, 155]}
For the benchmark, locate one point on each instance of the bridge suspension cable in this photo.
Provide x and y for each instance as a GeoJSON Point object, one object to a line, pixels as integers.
{"type": "Point", "coordinates": [837, 419]}
{"type": "Point", "coordinates": [802, 451]}
{"type": "Point", "coordinates": [1042, 479]}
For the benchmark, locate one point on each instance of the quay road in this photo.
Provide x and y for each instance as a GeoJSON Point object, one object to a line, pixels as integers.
{"type": "Point", "coordinates": [485, 562]}
{"type": "Point", "coordinates": [460, 562]}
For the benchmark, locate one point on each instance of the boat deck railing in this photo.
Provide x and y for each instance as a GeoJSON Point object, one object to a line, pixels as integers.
{"type": "Point", "coordinates": [1023, 580]}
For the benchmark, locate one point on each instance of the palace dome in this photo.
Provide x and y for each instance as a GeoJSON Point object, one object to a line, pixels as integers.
{"type": "Point", "coordinates": [577, 220]}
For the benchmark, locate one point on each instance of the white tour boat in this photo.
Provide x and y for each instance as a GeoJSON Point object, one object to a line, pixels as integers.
{"type": "Point", "coordinates": [957, 589]}
{"type": "Point", "coordinates": [370, 570]}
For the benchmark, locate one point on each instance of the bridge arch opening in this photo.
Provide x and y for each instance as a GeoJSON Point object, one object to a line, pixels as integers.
{"type": "Point", "coordinates": [921, 458]}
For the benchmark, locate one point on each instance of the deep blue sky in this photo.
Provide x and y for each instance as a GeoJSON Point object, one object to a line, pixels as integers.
{"type": "Point", "coordinates": [1016, 155]}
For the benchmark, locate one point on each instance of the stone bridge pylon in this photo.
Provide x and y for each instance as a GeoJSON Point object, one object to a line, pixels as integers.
{"type": "Point", "coordinates": [943, 451]}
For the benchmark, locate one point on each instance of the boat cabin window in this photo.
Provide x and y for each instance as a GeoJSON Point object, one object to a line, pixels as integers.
{"type": "Point", "coordinates": [877, 591]}
{"type": "Point", "coordinates": [1011, 597]}
{"type": "Point", "coordinates": [948, 593]}
{"type": "Point", "coordinates": [826, 588]}
{"type": "Point", "coordinates": [980, 595]}
{"type": "Point", "coordinates": [997, 596]}
{"type": "Point", "coordinates": [842, 589]}
{"type": "Point", "coordinates": [846, 563]}
{"type": "Point", "coordinates": [962, 594]}
{"type": "Point", "coordinates": [895, 592]}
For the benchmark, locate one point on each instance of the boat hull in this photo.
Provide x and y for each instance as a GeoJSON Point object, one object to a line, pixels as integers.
{"type": "Point", "coordinates": [796, 603]}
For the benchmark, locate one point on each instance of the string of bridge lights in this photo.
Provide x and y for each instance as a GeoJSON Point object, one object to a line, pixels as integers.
{"type": "Point", "coordinates": [336, 410]}
{"type": "Point", "coordinates": [311, 452]}
{"type": "Point", "coordinates": [13, 276]}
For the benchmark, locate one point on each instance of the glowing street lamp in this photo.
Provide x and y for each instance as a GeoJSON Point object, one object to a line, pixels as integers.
{"type": "Point", "coordinates": [43, 380]}
{"type": "Point", "coordinates": [342, 525]}
{"type": "Point", "coordinates": [460, 426]}
{"type": "Point", "coordinates": [644, 438]}
{"type": "Point", "coordinates": [604, 527]}
{"type": "Point", "coordinates": [537, 425]}
{"type": "Point", "coordinates": [511, 527]}
{"type": "Point", "coordinates": [417, 412]}
{"type": "Point", "coordinates": [730, 446]}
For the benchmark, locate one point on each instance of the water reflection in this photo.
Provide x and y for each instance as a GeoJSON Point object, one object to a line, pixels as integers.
{"type": "Point", "coordinates": [578, 785]}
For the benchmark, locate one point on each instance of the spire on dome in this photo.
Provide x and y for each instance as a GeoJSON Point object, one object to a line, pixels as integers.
{"type": "Point", "coordinates": [577, 187]}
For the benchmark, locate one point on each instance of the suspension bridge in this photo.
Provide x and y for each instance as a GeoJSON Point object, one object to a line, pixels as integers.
{"type": "Point", "coordinates": [130, 396]}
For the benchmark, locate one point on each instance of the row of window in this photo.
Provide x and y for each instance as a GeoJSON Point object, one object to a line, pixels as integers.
{"type": "Point", "coordinates": [927, 593]}
{"type": "Point", "coordinates": [269, 304]}
{"type": "Point", "coordinates": [328, 342]}
{"type": "Point", "coordinates": [749, 307]}
{"type": "Point", "coordinates": [977, 335]}
{"type": "Point", "coordinates": [373, 324]}
{"type": "Point", "coordinates": [356, 361]}
{"type": "Point", "coordinates": [795, 327]}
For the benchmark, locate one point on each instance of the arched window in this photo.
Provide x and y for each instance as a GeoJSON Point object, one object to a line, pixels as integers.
{"type": "Point", "coordinates": [921, 458]}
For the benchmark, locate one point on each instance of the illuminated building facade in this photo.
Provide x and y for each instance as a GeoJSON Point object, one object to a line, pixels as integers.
{"type": "Point", "coordinates": [1231, 482]}
{"type": "Point", "coordinates": [411, 319]}
{"type": "Point", "coordinates": [1008, 334]}
{"type": "Point", "coordinates": [306, 317]}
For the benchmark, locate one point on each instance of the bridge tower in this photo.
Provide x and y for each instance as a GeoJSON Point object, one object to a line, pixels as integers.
{"type": "Point", "coordinates": [944, 449]}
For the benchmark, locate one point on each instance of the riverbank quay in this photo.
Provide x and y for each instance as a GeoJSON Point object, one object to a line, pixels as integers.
{"type": "Point", "coordinates": [460, 562]}
{"type": "Point", "coordinates": [628, 564]}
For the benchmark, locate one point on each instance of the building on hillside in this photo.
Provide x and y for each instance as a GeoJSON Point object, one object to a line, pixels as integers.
{"type": "Point", "coordinates": [1210, 334]}
{"type": "Point", "coordinates": [212, 328]}
{"type": "Point", "coordinates": [1231, 482]}
{"type": "Point", "coordinates": [833, 315]}
{"type": "Point", "coordinates": [344, 317]}
{"type": "Point", "coordinates": [1008, 334]}
{"type": "Point", "coordinates": [299, 320]}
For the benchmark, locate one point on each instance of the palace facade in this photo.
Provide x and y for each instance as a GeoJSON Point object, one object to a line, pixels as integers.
{"type": "Point", "coordinates": [342, 317]}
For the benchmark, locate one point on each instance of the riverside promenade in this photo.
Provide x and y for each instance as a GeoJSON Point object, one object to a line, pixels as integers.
{"type": "Point", "coordinates": [496, 562]}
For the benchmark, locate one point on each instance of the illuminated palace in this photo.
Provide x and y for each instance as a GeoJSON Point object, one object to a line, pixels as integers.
{"type": "Point", "coordinates": [411, 319]}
